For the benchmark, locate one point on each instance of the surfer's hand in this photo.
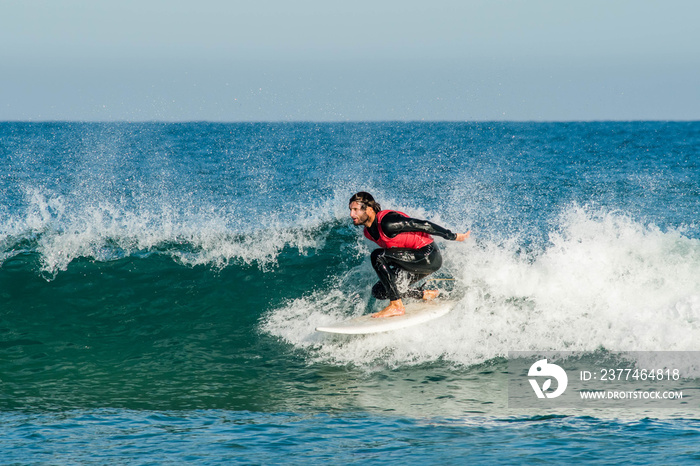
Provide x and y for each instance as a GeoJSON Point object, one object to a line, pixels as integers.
{"type": "Point", "coordinates": [463, 236]}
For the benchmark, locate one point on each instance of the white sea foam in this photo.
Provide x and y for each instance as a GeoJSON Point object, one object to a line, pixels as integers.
{"type": "Point", "coordinates": [602, 280]}
{"type": "Point", "coordinates": [61, 230]}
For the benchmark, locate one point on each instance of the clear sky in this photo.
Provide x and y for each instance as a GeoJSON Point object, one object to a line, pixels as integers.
{"type": "Point", "coordinates": [331, 60]}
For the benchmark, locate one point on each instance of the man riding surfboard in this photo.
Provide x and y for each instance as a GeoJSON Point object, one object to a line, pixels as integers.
{"type": "Point", "coordinates": [406, 254]}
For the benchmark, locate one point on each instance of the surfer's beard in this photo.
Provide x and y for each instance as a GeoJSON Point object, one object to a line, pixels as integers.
{"type": "Point", "coordinates": [359, 221]}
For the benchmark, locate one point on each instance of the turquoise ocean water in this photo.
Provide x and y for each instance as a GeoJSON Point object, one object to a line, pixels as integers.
{"type": "Point", "coordinates": [160, 285]}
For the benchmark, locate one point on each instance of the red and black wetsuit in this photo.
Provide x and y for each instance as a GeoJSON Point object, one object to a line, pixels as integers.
{"type": "Point", "coordinates": [407, 253]}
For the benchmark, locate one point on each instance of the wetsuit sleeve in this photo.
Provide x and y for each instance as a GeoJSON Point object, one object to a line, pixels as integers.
{"type": "Point", "coordinates": [394, 223]}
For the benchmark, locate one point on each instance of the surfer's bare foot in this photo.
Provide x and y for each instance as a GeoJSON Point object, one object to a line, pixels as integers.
{"type": "Point", "coordinates": [430, 294]}
{"type": "Point", "coordinates": [395, 308]}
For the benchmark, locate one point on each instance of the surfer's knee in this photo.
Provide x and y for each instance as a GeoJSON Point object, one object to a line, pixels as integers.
{"type": "Point", "coordinates": [376, 256]}
{"type": "Point", "coordinates": [379, 291]}
{"type": "Point", "coordinates": [434, 259]}
{"type": "Point", "coordinates": [378, 260]}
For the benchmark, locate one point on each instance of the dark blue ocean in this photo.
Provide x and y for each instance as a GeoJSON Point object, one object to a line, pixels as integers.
{"type": "Point", "coordinates": [160, 284]}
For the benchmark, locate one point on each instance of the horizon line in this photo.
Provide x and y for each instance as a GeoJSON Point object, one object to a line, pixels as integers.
{"type": "Point", "coordinates": [178, 121]}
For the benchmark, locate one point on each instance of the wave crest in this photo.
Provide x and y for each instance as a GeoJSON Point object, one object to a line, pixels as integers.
{"type": "Point", "coordinates": [60, 231]}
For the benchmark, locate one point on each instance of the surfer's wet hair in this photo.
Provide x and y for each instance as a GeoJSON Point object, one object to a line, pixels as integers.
{"type": "Point", "coordinates": [366, 200]}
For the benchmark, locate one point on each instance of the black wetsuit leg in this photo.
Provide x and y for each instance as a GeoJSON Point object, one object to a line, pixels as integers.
{"type": "Point", "coordinates": [398, 268]}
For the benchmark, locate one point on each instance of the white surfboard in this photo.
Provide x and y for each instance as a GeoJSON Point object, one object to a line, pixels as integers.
{"type": "Point", "coordinates": [416, 313]}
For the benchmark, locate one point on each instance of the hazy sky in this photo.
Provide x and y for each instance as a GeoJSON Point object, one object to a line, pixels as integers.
{"type": "Point", "coordinates": [353, 60]}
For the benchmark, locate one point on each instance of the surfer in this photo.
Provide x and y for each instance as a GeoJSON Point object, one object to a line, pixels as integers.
{"type": "Point", "coordinates": [406, 251]}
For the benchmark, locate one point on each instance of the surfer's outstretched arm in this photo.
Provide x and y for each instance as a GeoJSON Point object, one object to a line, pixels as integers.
{"type": "Point", "coordinates": [394, 223]}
